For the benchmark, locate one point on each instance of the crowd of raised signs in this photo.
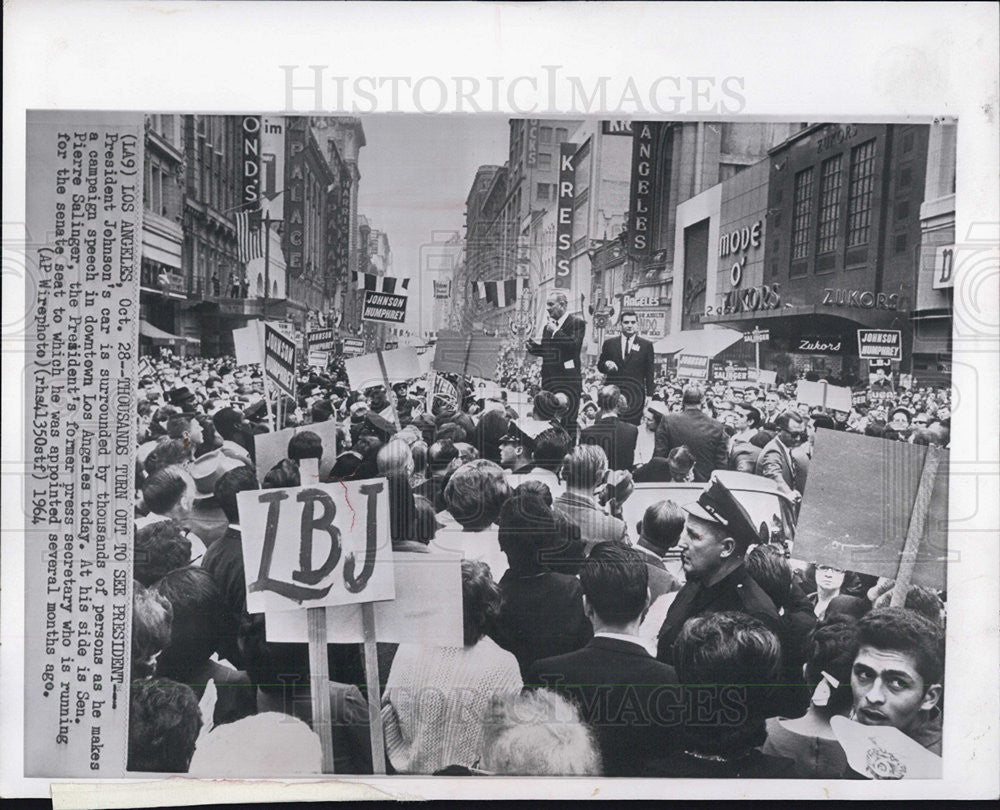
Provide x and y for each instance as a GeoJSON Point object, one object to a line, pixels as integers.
{"type": "Point", "coordinates": [686, 643]}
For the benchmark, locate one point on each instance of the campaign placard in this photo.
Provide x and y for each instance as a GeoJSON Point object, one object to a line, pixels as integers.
{"type": "Point", "coordinates": [849, 521]}
{"type": "Point", "coordinates": [692, 366]}
{"type": "Point", "coordinates": [316, 546]}
{"type": "Point", "coordinates": [321, 340]}
{"type": "Point", "coordinates": [471, 354]}
{"type": "Point", "coordinates": [427, 607]}
{"type": "Point", "coordinates": [279, 360]}
{"type": "Point", "coordinates": [318, 359]}
{"type": "Point", "coordinates": [877, 344]}
{"type": "Point", "coordinates": [354, 346]}
{"type": "Point", "coordinates": [383, 307]}
{"type": "Point", "coordinates": [366, 370]}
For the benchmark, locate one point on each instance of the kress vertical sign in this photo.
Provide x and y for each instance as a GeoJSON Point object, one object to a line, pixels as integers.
{"type": "Point", "coordinates": [564, 214]}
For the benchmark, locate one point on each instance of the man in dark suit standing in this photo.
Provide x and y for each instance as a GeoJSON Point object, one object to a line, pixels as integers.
{"type": "Point", "coordinates": [626, 695]}
{"type": "Point", "coordinates": [777, 462]}
{"type": "Point", "coordinates": [694, 429]}
{"type": "Point", "coordinates": [559, 347]}
{"type": "Point", "coordinates": [627, 361]}
{"type": "Point", "coordinates": [610, 432]}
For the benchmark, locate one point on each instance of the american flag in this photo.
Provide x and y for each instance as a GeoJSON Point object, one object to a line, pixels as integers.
{"type": "Point", "coordinates": [501, 293]}
{"type": "Point", "coordinates": [382, 284]}
{"type": "Point", "coordinates": [248, 241]}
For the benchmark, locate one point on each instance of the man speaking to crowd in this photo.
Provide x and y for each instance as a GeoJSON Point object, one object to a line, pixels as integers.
{"type": "Point", "coordinates": [559, 347]}
{"type": "Point", "coordinates": [627, 361]}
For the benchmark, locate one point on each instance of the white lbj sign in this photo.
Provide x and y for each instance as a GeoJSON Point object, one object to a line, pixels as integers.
{"type": "Point", "coordinates": [316, 546]}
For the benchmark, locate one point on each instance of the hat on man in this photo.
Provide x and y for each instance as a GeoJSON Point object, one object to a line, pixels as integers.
{"type": "Point", "coordinates": [717, 505]}
{"type": "Point", "coordinates": [381, 427]}
{"type": "Point", "coordinates": [206, 470]}
{"type": "Point", "coordinates": [182, 398]}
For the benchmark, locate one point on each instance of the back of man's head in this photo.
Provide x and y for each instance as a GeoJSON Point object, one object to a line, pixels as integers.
{"type": "Point", "coordinates": [163, 490]}
{"type": "Point", "coordinates": [160, 547]}
{"type": "Point", "coordinates": [551, 447]}
{"type": "Point", "coordinates": [615, 581]}
{"type": "Point", "coordinates": [661, 525]}
{"type": "Point", "coordinates": [305, 444]}
{"type": "Point", "coordinates": [608, 398]}
{"type": "Point", "coordinates": [693, 395]}
{"type": "Point", "coordinates": [584, 467]}
{"type": "Point", "coordinates": [228, 486]}
{"type": "Point", "coordinates": [768, 567]}
{"type": "Point", "coordinates": [164, 721]}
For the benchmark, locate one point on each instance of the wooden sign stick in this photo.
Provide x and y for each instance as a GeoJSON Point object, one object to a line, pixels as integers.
{"type": "Point", "coordinates": [374, 692]}
{"type": "Point", "coordinates": [308, 471]}
{"type": "Point", "coordinates": [319, 679]}
{"type": "Point", "coordinates": [388, 389]}
{"type": "Point", "coordinates": [918, 517]}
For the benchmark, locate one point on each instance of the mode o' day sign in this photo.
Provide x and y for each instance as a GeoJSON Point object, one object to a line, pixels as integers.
{"type": "Point", "coordinates": [317, 545]}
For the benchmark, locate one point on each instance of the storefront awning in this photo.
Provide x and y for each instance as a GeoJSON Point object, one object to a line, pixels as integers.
{"type": "Point", "coordinates": [146, 329]}
{"type": "Point", "coordinates": [704, 342]}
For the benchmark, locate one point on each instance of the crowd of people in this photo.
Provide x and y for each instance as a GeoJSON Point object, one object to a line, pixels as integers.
{"type": "Point", "coordinates": [688, 644]}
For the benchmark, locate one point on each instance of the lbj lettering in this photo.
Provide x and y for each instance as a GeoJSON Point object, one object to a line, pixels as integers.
{"type": "Point", "coordinates": [318, 513]}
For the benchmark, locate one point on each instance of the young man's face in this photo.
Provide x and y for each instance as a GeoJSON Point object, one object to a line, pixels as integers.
{"type": "Point", "coordinates": [510, 452]}
{"type": "Point", "coordinates": [888, 690]}
{"type": "Point", "coordinates": [630, 325]}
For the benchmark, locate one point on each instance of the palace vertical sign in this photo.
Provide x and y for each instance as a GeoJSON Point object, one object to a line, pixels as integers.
{"type": "Point", "coordinates": [250, 190]}
{"type": "Point", "coordinates": [295, 182]}
{"type": "Point", "coordinates": [564, 214]}
{"type": "Point", "coordinates": [641, 189]}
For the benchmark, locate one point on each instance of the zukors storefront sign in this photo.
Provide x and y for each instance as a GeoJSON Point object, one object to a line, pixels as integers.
{"type": "Point", "coordinates": [860, 299]}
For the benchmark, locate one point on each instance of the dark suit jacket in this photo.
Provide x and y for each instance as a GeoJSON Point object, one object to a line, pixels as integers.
{"type": "Point", "coordinates": [541, 616]}
{"type": "Point", "coordinates": [560, 353]}
{"type": "Point", "coordinates": [595, 525]}
{"type": "Point", "coordinates": [743, 457]}
{"type": "Point", "coordinates": [624, 694]}
{"type": "Point", "coordinates": [702, 435]}
{"type": "Point", "coordinates": [737, 591]}
{"type": "Point", "coordinates": [616, 437]}
{"type": "Point", "coordinates": [773, 463]}
{"type": "Point", "coordinates": [634, 375]}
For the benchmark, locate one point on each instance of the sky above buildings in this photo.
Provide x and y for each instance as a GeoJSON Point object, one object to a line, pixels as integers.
{"type": "Point", "coordinates": [416, 171]}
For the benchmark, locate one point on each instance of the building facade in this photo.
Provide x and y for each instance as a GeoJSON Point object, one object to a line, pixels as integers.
{"type": "Point", "coordinates": [820, 239]}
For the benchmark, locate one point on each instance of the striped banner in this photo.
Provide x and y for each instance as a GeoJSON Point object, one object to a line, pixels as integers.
{"type": "Point", "coordinates": [445, 389]}
{"type": "Point", "coordinates": [501, 293]}
{"type": "Point", "coordinates": [382, 284]}
{"type": "Point", "coordinates": [248, 241]}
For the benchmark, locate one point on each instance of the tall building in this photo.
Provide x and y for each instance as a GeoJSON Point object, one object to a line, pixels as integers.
{"type": "Point", "coordinates": [680, 160]}
{"type": "Point", "coordinates": [164, 287]}
{"type": "Point", "coordinates": [828, 235]}
{"type": "Point", "coordinates": [342, 138]}
{"type": "Point", "coordinates": [213, 173]}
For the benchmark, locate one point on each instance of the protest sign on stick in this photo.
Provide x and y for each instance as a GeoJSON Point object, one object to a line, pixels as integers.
{"type": "Point", "coordinates": [822, 394]}
{"type": "Point", "coordinates": [282, 529]}
{"type": "Point", "coordinates": [876, 507]}
{"type": "Point", "coordinates": [467, 354]}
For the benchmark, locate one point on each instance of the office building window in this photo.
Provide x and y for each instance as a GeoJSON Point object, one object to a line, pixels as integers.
{"type": "Point", "coordinates": [542, 191]}
{"type": "Point", "coordinates": [544, 160]}
{"type": "Point", "coordinates": [561, 135]}
{"type": "Point", "coordinates": [802, 213]}
{"type": "Point", "coordinates": [545, 134]}
{"type": "Point", "coordinates": [859, 196]}
{"type": "Point", "coordinates": [829, 204]}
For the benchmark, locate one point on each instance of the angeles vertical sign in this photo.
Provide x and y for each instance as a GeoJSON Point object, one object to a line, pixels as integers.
{"type": "Point", "coordinates": [251, 160]}
{"type": "Point", "coordinates": [641, 188]}
{"type": "Point", "coordinates": [564, 214]}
